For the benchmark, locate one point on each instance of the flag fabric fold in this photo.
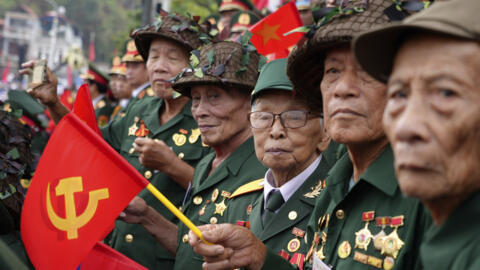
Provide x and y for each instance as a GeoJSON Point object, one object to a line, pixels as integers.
{"type": "Point", "coordinates": [106, 258]}
{"type": "Point", "coordinates": [268, 34]}
{"type": "Point", "coordinates": [83, 108]}
{"type": "Point", "coordinates": [80, 186]}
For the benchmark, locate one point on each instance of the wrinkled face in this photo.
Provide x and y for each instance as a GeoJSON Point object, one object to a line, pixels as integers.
{"type": "Point", "coordinates": [165, 60]}
{"type": "Point", "coordinates": [286, 149]}
{"type": "Point", "coordinates": [432, 117]}
{"type": "Point", "coordinates": [220, 114]}
{"type": "Point", "coordinates": [136, 74]}
{"type": "Point", "coordinates": [119, 86]}
{"type": "Point", "coordinates": [353, 101]}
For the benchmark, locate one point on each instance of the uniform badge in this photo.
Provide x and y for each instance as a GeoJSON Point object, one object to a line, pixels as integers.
{"type": "Point", "coordinates": [249, 209]}
{"type": "Point", "coordinates": [215, 195]}
{"type": "Point", "coordinates": [364, 236]}
{"type": "Point", "coordinates": [392, 242]}
{"type": "Point", "coordinates": [150, 92]}
{"type": "Point", "coordinates": [292, 215]}
{"type": "Point", "coordinates": [100, 104]}
{"type": "Point", "coordinates": [183, 131]}
{"type": "Point", "coordinates": [194, 136]}
{"type": "Point", "coordinates": [102, 120]}
{"type": "Point", "coordinates": [133, 128]}
{"type": "Point", "coordinates": [344, 250]}
{"type": "Point", "coordinates": [197, 200]}
{"type": "Point", "coordinates": [293, 245]}
{"type": "Point", "coordinates": [179, 139]}
{"type": "Point", "coordinates": [284, 254]}
{"type": "Point", "coordinates": [323, 239]}
{"type": "Point", "coordinates": [315, 190]}
{"type": "Point", "coordinates": [379, 237]}
{"type": "Point", "coordinates": [142, 130]}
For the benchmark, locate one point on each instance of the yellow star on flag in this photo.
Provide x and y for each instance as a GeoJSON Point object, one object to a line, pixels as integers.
{"type": "Point", "coordinates": [268, 32]}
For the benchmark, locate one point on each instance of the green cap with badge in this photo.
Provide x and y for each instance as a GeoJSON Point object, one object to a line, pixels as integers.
{"type": "Point", "coordinates": [273, 75]}
{"type": "Point", "coordinates": [375, 50]}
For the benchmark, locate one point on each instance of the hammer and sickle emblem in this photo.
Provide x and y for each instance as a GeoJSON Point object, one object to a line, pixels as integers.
{"type": "Point", "coordinates": [71, 223]}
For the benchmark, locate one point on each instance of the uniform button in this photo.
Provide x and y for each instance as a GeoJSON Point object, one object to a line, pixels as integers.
{"type": "Point", "coordinates": [292, 215]}
{"type": "Point", "coordinates": [340, 214]}
{"type": "Point", "coordinates": [128, 238]}
{"type": "Point", "coordinates": [131, 150]}
{"type": "Point", "coordinates": [181, 155]}
{"type": "Point", "coordinates": [213, 220]}
{"type": "Point", "coordinates": [148, 174]}
{"type": "Point", "coordinates": [197, 200]}
{"type": "Point", "coordinates": [185, 238]}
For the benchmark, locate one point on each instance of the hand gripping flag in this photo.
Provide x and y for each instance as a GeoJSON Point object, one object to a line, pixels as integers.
{"type": "Point", "coordinates": [268, 34]}
{"type": "Point", "coordinates": [83, 107]}
{"type": "Point", "coordinates": [80, 186]}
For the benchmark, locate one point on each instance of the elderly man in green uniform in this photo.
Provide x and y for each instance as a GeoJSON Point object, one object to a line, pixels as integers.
{"type": "Point", "coordinates": [220, 85]}
{"type": "Point", "coordinates": [227, 8]}
{"type": "Point", "coordinates": [158, 136]}
{"type": "Point", "coordinates": [98, 84]}
{"type": "Point", "coordinates": [240, 23]}
{"type": "Point", "coordinates": [361, 220]}
{"type": "Point", "coordinates": [432, 120]}
{"type": "Point", "coordinates": [292, 150]}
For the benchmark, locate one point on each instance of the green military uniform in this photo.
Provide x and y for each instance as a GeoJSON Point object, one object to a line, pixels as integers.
{"type": "Point", "coordinates": [208, 199]}
{"type": "Point", "coordinates": [337, 229]}
{"type": "Point", "coordinates": [103, 110]}
{"type": "Point", "coordinates": [183, 136]}
{"type": "Point", "coordinates": [455, 244]}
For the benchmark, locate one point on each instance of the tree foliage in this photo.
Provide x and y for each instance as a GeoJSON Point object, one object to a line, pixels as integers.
{"type": "Point", "coordinates": [201, 8]}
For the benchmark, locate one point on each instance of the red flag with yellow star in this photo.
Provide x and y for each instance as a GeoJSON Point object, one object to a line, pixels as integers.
{"type": "Point", "coordinates": [80, 186]}
{"type": "Point", "coordinates": [268, 33]}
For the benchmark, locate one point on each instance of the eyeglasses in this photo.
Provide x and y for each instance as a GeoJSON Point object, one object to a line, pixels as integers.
{"type": "Point", "coordinates": [288, 119]}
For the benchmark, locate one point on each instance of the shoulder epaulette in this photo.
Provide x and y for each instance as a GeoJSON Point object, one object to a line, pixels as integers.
{"type": "Point", "coordinates": [247, 188]}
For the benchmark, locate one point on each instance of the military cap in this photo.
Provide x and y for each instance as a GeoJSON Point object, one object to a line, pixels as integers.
{"type": "Point", "coordinates": [375, 50]}
{"type": "Point", "coordinates": [118, 68]}
{"type": "Point", "coordinates": [242, 20]}
{"type": "Point", "coordinates": [224, 63]}
{"type": "Point", "coordinates": [336, 28]}
{"type": "Point", "coordinates": [132, 54]}
{"type": "Point", "coordinates": [229, 5]}
{"type": "Point", "coordinates": [184, 31]}
{"type": "Point", "coordinates": [273, 75]}
{"type": "Point", "coordinates": [94, 74]}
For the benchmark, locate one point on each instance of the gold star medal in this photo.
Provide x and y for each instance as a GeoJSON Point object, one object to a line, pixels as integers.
{"type": "Point", "coordinates": [379, 237]}
{"type": "Point", "coordinates": [364, 236]}
{"type": "Point", "coordinates": [133, 128]}
{"type": "Point", "coordinates": [392, 243]}
{"type": "Point", "coordinates": [193, 138]}
{"type": "Point", "coordinates": [221, 207]}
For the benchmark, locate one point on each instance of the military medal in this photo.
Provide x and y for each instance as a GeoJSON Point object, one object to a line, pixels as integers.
{"type": "Point", "coordinates": [379, 237]}
{"type": "Point", "coordinates": [344, 250]}
{"type": "Point", "coordinates": [319, 252]}
{"type": "Point", "coordinates": [249, 209]}
{"type": "Point", "coordinates": [215, 195]}
{"type": "Point", "coordinates": [221, 207]}
{"type": "Point", "coordinates": [197, 200]}
{"type": "Point", "coordinates": [323, 222]}
{"type": "Point", "coordinates": [293, 245]}
{"type": "Point", "coordinates": [179, 139]}
{"type": "Point", "coordinates": [316, 240]}
{"type": "Point", "coordinates": [142, 131]}
{"type": "Point", "coordinates": [133, 128]}
{"type": "Point", "coordinates": [183, 131]}
{"type": "Point", "coordinates": [392, 243]}
{"type": "Point", "coordinates": [364, 236]}
{"type": "Point", "coordinates": [202, 211]}
{"type": "Point", "coordinates": [194, 136]}
{"type": "Point", "coordinates": [284, 254]}
{"type": "Point", "coordinates": [298, 259]}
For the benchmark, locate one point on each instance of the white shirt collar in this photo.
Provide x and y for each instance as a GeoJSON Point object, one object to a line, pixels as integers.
{"type": "Point", "coordinates": [291, 185]}
{"type": "Point", "coordinates": [139, 89]}
{"type": "Point", "coordinates": [97, 99]}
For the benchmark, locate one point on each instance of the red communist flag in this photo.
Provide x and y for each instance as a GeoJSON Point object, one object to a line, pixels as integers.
{"type": "Point", "coordinates": [268, 33]}
{"type": "Point", "coordinates": [80, 186]}
{"type": "Point", "coordinates": [106, 258]}
{"type": "Point", "coordinates": [83, 107]}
